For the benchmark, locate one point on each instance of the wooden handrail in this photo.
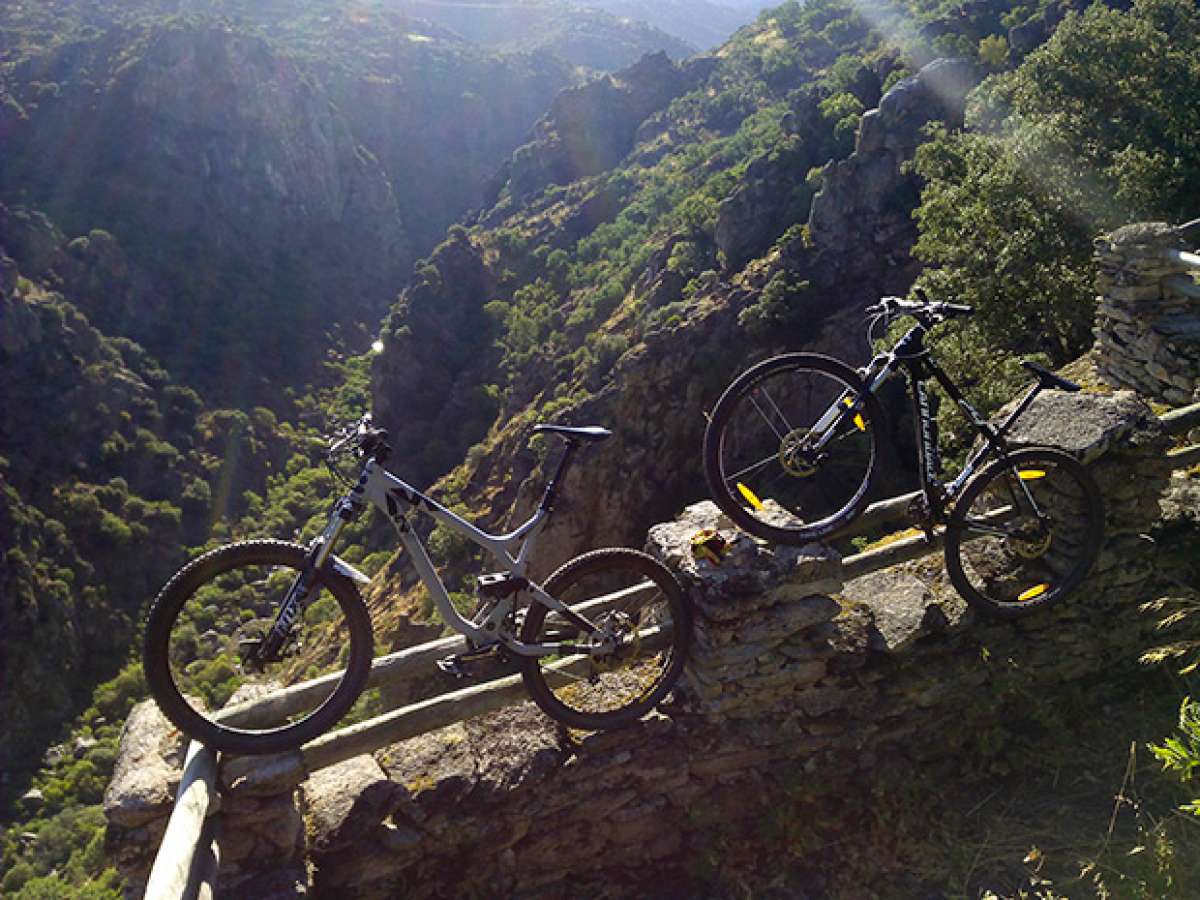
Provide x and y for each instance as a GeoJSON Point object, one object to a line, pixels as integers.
{"type": "Point", "coordinates": [1191, 260]}
{"type": "Point", "coordinates": [1182, 457]}
{"type": "Point", "coordinates": [404, 723]}
{"type": "Point", "coordinates": [1179, 420]}
{"type": "Point", "coordinates": [172, 874]}
{"type": "Point", "coordinates": [385, 670]}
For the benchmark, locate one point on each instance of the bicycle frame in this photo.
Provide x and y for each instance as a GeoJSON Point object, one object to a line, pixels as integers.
{"type": "Point", "coordinates": [912, 356]}
{"type": "Point", "coordinates": [395, 498]}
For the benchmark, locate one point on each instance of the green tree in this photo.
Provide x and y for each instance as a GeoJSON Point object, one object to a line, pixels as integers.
{"type": "Point", "coordinates": [1095, 129]}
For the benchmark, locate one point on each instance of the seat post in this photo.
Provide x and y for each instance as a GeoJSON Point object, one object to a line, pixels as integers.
{"type": "Point", "coordinates": [1034, 390]}
{"type": "Point", "coordinates": [552, 485]}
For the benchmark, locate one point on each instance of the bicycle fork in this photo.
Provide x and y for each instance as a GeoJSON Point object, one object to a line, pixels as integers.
{"type": "Point", "coordinates": [271, 648]}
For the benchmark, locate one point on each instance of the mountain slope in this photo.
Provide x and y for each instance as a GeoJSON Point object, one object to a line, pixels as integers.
{"type": "Point", "coordinates": [273, 177]}
{"type": "Point", "coordinates": [641, 253]}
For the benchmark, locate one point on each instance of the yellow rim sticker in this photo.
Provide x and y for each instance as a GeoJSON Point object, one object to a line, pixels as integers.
{"type": "Point", "coordinates": [1036, 591]}
{"type": "Point", "coordinates": [750, 496]}
{"type": "Point", "coordinates": [1031, 474]}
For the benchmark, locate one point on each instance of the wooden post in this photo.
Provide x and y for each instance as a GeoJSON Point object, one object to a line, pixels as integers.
{"type": "Point", "coordinates": [172, 870]}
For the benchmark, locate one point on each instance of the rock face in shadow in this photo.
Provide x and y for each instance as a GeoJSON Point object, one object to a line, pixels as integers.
{"type": "Point", "coordinates": [225, 170]}
{"type": "Point", "coordinates": [589, 129]}
{"type": "Point", "coordinates": [866, 200]}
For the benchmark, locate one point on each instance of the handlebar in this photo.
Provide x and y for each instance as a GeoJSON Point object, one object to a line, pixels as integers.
{"type": "Point", "coordinates": [362, 438]}
{"type": "Point", "coordinates": [931, 312]}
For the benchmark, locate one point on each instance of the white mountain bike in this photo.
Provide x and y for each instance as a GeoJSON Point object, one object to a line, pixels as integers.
{"type": "Point", "coordinates": [598, 645]}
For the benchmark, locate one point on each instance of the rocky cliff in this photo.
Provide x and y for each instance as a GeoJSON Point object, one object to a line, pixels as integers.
{"type": "Point", "coordinates": [854, 248]}
{"type": "Point", "coordinates": [591, 128]}
{"type": "Point", "coordinates": [228, 174]}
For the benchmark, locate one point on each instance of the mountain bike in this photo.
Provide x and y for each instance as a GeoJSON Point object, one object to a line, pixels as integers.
{"type": "Point", "coordinates": [598, 645]}
{"type": "Point", "coordinates": [791, 451]}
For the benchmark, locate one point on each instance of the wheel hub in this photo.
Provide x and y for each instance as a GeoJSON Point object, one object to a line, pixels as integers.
{"type": "Point", "coordinates": [796, 458]}
{"type": "Point", "coordinates": [1031, 541]}
{"type": "Point", "coordinates": [623, 640]}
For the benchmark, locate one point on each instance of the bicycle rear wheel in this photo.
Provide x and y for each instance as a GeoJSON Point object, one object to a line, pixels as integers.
{"type": "Point", "coordinates": [790, 450]}
{"type": "Point", "coordinates": [1025, 532]}
{"type": "Point", "coordinates": [208, 619]}
{"type": "Point", "coordinates": [637, 600]}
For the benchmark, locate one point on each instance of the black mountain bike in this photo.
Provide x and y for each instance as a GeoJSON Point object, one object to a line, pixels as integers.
{"type": "Point", "coordinates": [792, 447]}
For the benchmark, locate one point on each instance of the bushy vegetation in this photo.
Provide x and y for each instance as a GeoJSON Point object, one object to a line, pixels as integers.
{"type": "Point", "coordinates": [122, 476]}
{"type": "Point", "coordinates": [1093, 130]}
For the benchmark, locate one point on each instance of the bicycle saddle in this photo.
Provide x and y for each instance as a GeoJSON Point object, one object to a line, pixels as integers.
{"type": "Point", "coordinates": [588, 433]}
{"type": "Point", "coordinates": [1049, 379]}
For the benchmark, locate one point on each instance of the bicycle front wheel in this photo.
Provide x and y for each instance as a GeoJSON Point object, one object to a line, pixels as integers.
{"type": "Point", "coordinates": [206, 624]}
{"type": "Point", "coordinates": [635, 599]}
{"type": "Point", "coordinates": [790, 450]}
{"type": "Point", "coordinates": [1025, 532]}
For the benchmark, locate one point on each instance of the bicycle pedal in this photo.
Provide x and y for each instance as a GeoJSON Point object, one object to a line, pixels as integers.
{"type": "Point", "coordinates": [452, 665]}
{"type": "Point", "coordinates": [456, 663]}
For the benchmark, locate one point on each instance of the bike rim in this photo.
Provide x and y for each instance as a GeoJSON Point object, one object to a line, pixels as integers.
{"type": "Point", "coordinates": [214, 630]}
{"type": "Point", "coordinates": [634, 609]}
{"type": "Point", "coordinates": [1028, 535]}
{"type": "Point", "coordinates": [771, 463]}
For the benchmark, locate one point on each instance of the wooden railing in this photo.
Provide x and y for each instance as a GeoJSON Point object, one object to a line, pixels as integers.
{"type": "Point", "coordinates": [187, 860]}
{"type": "Point", "coordinates": [181, 870]}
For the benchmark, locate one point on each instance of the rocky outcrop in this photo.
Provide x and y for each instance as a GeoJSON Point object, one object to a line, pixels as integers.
{"type": "Point", "coordinates": [428, 380]}
{"type": "Point", "coordinates": [589, 129]}
{"type": "Point", "coordinates": [770, 196]}
{"type": "Point", "coordinates": [866, 200]}
{"type": "Point", "coordinates": [1148, 313]}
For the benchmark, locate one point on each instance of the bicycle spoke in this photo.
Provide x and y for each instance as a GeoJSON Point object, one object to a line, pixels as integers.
{"type": "Point", "coordinates": [733, 479]}
{"type": "Point", "coordinates": [767, 418]}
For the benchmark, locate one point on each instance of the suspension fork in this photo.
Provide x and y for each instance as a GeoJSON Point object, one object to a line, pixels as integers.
{"type": "Point", "coordinates": [300, 592]}
{"type": "Point", "coordinates": [849, 402]}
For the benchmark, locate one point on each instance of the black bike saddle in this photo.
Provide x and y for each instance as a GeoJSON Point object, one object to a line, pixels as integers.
{"type": "Point", "coordinates": [1049, 379]}
{"type": "Point", "coordinates": [588, 433]}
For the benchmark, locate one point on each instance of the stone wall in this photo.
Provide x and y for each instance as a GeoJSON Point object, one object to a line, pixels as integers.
{"type": "Point", "coordinates": [1148, 320]}
{"type": "Point", "coordinates": [801, 683]}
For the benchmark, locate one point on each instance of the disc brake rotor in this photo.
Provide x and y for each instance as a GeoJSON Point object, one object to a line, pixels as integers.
{"type": "Point", "coordinates": [1030, 542]}
{"type": "Point", "coordinates": [796, 459]}
{"type": "Point", "coordinates": [628, 641]}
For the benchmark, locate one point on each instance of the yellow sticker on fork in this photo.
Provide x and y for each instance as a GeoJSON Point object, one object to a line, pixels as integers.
{"type": "Point", "coordinates": [750, 496]}
{"type": "Point", "coordinates": [1031, 474]}
{"type": "Point", "coordinates": [859, 423]}
{"type": "Point", "coordinates": [1036, 591]}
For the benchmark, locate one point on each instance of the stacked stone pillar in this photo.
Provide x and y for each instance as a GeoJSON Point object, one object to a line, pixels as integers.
{"type": "Point", "coordinates": [1148, 316]}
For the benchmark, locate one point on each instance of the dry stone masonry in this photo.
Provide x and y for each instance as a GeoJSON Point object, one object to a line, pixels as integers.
{"type": "Point", "coordinates": [803, 685]}
{"type": "Point", "coordinates": [1148, 320]}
